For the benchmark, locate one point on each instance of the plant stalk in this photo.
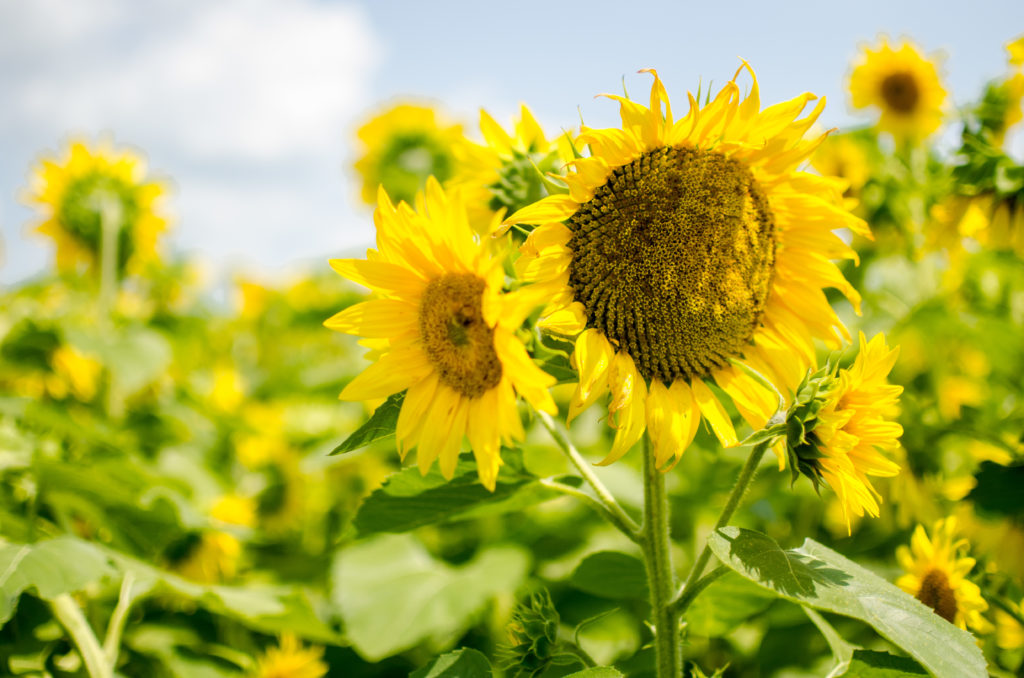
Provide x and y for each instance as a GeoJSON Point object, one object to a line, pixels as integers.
{"type": "Point", "coordinates": [67, 612]}
{"type": "Point", "coordinates": [611, 509]}
{"type": "Point", "coordinates": [733, 503]}
{"type": "Point", "coordinates": [656, 545]}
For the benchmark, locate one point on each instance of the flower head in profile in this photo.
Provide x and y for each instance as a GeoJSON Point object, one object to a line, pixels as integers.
{"type": "Point", "coordinates": [90, 189]}
{"type": "Point", "coordinates": [683, 249]}
{"type": "Point", "coordinates": [903, 85]}
{"type": "Point", "coordinates": [402, 147]}
{"type": "Point", "coordinates": [936, 574]}
{"type": "Point", "coordinates": [291, 660]}
{"type": "Point", "coordinates": [507, 172]}
{"type": "Point", "coordinates": [838, 427]}
{"type": "Point", "coordinates": [448, 334]}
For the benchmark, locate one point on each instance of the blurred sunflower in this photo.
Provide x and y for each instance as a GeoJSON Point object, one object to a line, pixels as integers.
{"type": "Point", "coordinates": [90, 187]}
{"type": "Point", "coordinates": [290, 660]}
{"type": "Point", "coordinates": [682, 248]}
{"type": "Point", "coordinates": [507, 172]}
{"type": "Point", "coordinates": [843, 156]}
{"type": "Point", "coordinates": [937, 576]}
{"type": "Point", "coordinates": [403, 146]}
{"type": "Point", "coordinates": [850, 429]}
{"type": "Point", "coordinates": [903, 84]}
{"type": "Point", "coordinates": [450, 332]}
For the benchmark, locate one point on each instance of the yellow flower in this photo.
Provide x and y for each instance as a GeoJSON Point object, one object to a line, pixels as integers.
{"type": "Point", "coordinates": [77, 193]}
{"type": "Point", "coordinates": [210, 558]}
{"type": "Point", "coordinates": [937, 576]}
{"type": "Point", "coordinates": [1009, 631]}
{"type": "Point", "coordinates": [234, 509]}
{"type": "Point", "coordinates": [451, 334]}
{"type": "Point", "coordinates": [993, 223]}
{"type": "Point", "coordinates": [507, 170]}
{"type": "Point", "coordinates": [403, 146]}
{"type": "Point", "coordinates": [842, 156]}
{"type": "Point", "coordinates": [903, 84]}
{"type": "Point", "coordinates": [682, 248]}
{"type": "Point", "coordinates": [290, 660]}
{"type": "Point", "coordinates": [1015, 52]}
{"type": "Point", "coordinates": [851, 428]}
{"type": "Point", "coordinates": [227, 390]}
{"type": "Point", "coordinates": [81, 372]}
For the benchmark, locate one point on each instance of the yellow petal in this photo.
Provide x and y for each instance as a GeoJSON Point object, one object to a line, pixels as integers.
{"type": "Point", "coordinates": [714, 413]}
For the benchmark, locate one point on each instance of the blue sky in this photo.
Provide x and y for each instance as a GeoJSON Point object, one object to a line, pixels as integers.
{"type": "Point", "coordinates": [250, 105]}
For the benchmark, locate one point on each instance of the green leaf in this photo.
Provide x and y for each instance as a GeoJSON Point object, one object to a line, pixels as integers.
{"type": "Point", "coordinates": [409, 500]}
{"type": "Point", "coordinates": [380, 426]}
{"type": "Point", "coordinates": [870, 664]}
{"type": "Point", "coordinates": [819, 577]}
{"type": "Point", "coordinates": [724, 605]}
{"type": "Point", "coordinates": [841, 649]}
{"type": "Point", "coordinates": [50, 568]}
{"type": "Point", "coordinates": [462, 663]}
{"type": "Point", "coordinates": [393, 595]}
{"type": "Point", "coordinates": [611, 574]}
{"type": "Point", "coordinates": [597, 672]}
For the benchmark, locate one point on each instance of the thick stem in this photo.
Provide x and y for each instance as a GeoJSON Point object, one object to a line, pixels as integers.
{"type": "Point", "coordinates": [656, 545]}
{"type": "Point", "coordinates": [735, 497]}
{"type": "Point", "coordinates": [612, 510]}
{"type": "Point", "coordinates": [67, 612]}
{"type": "Point", "coordinates": [110, 221]}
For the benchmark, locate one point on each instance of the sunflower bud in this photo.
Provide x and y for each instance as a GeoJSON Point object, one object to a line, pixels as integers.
{"type": "Point", "coordinates": [532, 637]}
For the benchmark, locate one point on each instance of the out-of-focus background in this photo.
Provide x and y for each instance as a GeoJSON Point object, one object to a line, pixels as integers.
{"type": "Point", "coordinates": [252, 106]}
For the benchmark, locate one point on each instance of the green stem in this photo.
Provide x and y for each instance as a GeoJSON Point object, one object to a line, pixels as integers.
{"type": "Point", "coordinates": [688, 594]}
{"type": "Point", "coordinates": [67, 612]}
{"type": "Point", "coordinates": [738, 490]}
{"type": "Point", "coordinates": [611, 508]}
{"type": "Point", "coordinates": [593, 503]}
{"type": "Point", "coordinates": [110, 219]}
{"type": "Point", "coordinates": [112, 641]}
{"type": "Point", "coordinates": [656, 545]}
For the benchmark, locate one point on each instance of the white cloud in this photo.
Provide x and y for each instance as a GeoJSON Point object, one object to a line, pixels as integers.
{"type": "Point", "coordinates": [239, 100]}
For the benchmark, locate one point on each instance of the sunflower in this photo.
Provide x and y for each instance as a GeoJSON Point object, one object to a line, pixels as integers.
{"type": "Point", "coordinates": [450, 332]}
{"type": "Point", "coordinates": [937, 576]}
{"type": "Point", "coordinates": [851, 429]}
{"type": "Point", "coordinates": [87, 186]}
{"type": "Point", "coordinates": [903, 84]}
{"type": "Point", "coordinates": [403, 146]}
{"type": "Point", "coordinates": [684, 250]}
{"type": "Point", "coordinates": [290, 660]}
{"type": "Point", "coordinates": [507, 172]}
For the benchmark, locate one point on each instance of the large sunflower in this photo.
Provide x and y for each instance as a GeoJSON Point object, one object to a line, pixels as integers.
{"type": "Point", "coordinates": [403, 146]}
{"type": "Point", "coordinates": [77, 192]}
{"type": "Point", "coordinates": [937, 572]}
{"type": "Point", "coordinates": [450, 334]}
{"type": "Point", "coordinates": [683, 249]}
{"type": "Point", "coordinates": [904, 85]}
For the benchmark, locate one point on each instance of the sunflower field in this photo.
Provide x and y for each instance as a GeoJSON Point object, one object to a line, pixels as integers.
{"type": "Point", "coordinates": [715, 391]}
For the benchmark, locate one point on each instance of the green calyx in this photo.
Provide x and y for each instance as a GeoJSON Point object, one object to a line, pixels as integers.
{"type": "Point", "coordinates": [88, 200]}
{"type": "Point", "coordinates": [409, 159]}
{"type": "Point", "coordinates": [522, 181]}
{"type": "Point", "coordinates": [532, 637]}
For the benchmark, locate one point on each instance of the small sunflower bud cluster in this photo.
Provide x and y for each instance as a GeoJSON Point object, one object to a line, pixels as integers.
{"type": "Point", "coordinates": [532, 637]}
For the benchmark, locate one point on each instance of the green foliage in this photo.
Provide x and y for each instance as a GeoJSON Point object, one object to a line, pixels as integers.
{"type": "Point", "coordinates": [380, 426]}
{"type": "Point", "coordinates": [393, 595]}
{"type": "Point", "coordinates": [611, 574]}
{"type": "Point", "coordinates": [870, 664]}
{"type": "Point", "coordinates": [817, 576]}
{"type": "Point", "coordinates": [464, 663]}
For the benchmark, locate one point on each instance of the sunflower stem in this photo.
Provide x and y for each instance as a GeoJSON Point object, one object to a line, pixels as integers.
{"type": "Point", "coordinates": [115, 628]}
{"type": "Point", "coordinates": [656, 546]}
{"type": "Point", "coordinates": [110, 217]}
{"type": "Point", "coordinates": [611, 508]}
{"type": "Point", "coordinates": [738, 490]}
{"type": "Point", "coordinates": [593, 503]}
{"type": "Point", "coordinates": [67, 612]}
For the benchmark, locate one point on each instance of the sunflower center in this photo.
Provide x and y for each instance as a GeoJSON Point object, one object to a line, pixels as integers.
{"type": "Point", "coordinates": [91, 198]}
{"type": "Point", "coordinates": [937, 594]}
{"type": "Point", "coordinates": [900, 92]}
{"type": "Point", "coordinates": [455, 336]}
{"type": "Point", "coordinates": [673, 258]}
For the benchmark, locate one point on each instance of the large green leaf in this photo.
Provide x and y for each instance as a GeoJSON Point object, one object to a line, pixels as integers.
{"type": "Point", "coordinates": [817, 576]}
{"type": "Point", "coordinates": [380, 426]}
{"type": "Point", "coordinates": [463, 663]}
{"type": "Point", "coordinates": [393, 595]}
{"type": "Point", "coordinates": [611, 574]}
{"type": "Point", "coordinates": [597, 672]}
{"type": "Point", "coordinates": [49, 568]}
{"type": "Point", "coordinates": [724, 605]}
{"type": "Point", "coordinates": [409, 499]}
{"type": "Point", "coordinates": [870, 664]}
